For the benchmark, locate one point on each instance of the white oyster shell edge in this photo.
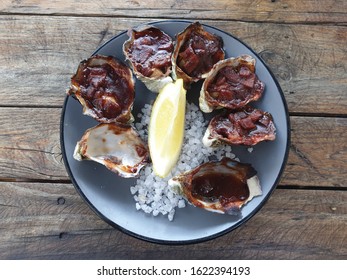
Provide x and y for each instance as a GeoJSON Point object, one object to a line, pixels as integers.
{"type": "Point", "coordinates": [99, 144]}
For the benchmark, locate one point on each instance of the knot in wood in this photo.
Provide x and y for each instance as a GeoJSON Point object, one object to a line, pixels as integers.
{"type": "Point", "coordinates": [60, 200]}
{"type": "Point", "coordinates": [278, 64]}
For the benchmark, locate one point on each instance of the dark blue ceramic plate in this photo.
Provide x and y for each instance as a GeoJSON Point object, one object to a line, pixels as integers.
{"type": "Point", "coordinates": [109, 195]}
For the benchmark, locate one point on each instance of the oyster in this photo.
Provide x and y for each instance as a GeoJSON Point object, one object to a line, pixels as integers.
{"type": "Point", "coordinates": [219, 186]}
{"type": "Point", "coordinates": [232, 83]}
{"type": "Point", "coordinates": [247, 126]}
{"type": "Point", "coordinates": [195, 53]}
{"type": "Point", "coordinates": [105, 87]}
{"type": "Point", "coordinates": [117, 146]}
{"type": "Point", "coordinates": [148, 52]}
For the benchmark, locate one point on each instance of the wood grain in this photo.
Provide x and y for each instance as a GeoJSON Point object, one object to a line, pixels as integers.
{"type": "Point", "coordinates": [309, 11]}
{"type": "Point", "coordinates": [309, 61]}
{"type": "Point", "coordinates": [50, 221]}
{"type": "Point", "coordinates": [41, 43]}
{"type": "Point", "coordinates": [318, 152]}
{"type": "Point", "coordinates": [30, 150]}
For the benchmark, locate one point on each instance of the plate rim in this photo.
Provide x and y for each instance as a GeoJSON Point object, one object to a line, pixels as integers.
{"type": "Point", "coordinates": [188, 241]}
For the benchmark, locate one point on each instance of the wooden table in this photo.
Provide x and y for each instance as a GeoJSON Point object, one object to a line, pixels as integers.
{"type": "Point", "coordinates": [42, 42]}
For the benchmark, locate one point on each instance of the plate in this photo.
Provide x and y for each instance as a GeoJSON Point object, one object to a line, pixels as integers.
{"type": "Point", "coordinates": [109, 195]}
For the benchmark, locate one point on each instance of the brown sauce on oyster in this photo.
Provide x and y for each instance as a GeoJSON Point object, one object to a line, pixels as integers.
{"type": "Point", "coordinates": [232, 84]}
{"type": "Point", "coordinates": [105, 88]}
{"type": "Point", "coordinates": [247, 126]}
{"type": "Point", "coordinates": [234, 87]}
{"type": "Point", "coordinates": [199, 53]}
{"type": "Point", "coordinates": [214, 185]}
{"type": "Point", "coordinates": [150, 52]}
{"type": "Point", "coordinates": [196, 51]}
{"type": "Point", "coordinates": [220, 186]}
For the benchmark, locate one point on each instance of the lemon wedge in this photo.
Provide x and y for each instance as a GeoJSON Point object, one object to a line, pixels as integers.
{"type": "Point", "coordinates": [166, 127]}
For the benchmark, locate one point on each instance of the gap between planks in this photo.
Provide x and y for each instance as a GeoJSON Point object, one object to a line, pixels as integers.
{"type": "Point", "coordinates": [66, 181]}
{"type": "Point", "coordinates": [326, 23]}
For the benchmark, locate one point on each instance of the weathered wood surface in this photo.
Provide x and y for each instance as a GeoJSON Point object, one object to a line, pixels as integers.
{"type": "Point", "coordinates": [50, 221]}
{"type": "Point", "coordinates": [38, 55]}
{"type": "Point", "coordinates": [41, 44]}
{"type": "Point", "coordinates": [308, 11]}
{"type": "Point", "coordinates": [30, 150]}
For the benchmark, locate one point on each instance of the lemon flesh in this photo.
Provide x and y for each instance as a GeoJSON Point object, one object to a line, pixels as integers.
{"type": "Point", "coordinates": [166, 127]}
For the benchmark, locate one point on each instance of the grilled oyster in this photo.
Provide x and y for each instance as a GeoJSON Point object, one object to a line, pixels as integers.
{"type": "Point", "coordinates": [195, 53]}
{"type": "Point", "coordinates": [219, 186]}
{"type": "Point", "coordinates": [148, 52]}
{"type": "Point", "coordinates": [232, 83]}
{"type": "Point", "coordinates": [117, 146]}
{"type": "Point", "coordinates": [247, 126]}
{"type": "Point", "coordinates": [105, 88]}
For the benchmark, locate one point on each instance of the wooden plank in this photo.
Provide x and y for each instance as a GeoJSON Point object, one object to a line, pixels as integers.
{"type": "Point", "coordinates": [309, 11]}
{"type": "Point", "coordinates": [37, 63]}
{"type": "Point", "coordinates": [30, 150]}
{"type": "Point", "coordinates": [318, 152]}
{"type": "Point", "coordinates": [50, 221]}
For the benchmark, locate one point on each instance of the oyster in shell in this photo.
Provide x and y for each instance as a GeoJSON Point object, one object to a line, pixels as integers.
{"type": "Point", "coordinates": [148, 52]}
{"type": "Point", "coordinates": [247, 126]}
{"type": "Point", "coordinates": [105, 87]}
{"type": "Point", "coordinates": [232, 83]}
{"type": "Point", "coordinates": [117, 146]}
{"type": "Point", "coordinates": [219, 186]}
{"type": "Point", "coordinates": [195, 53]}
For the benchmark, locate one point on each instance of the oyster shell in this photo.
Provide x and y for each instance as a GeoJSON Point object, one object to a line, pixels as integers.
{"type": "Point", "coordinates": [117, 146]}
{"type": "Point", "coordinates": [232, 83]}
{"type": "Point", "coordinates": [148, 52]}
{"type": "Point", "coordinates": [247, 126]}
{"type": "Point", "coordinates": [219, 186]}
{"type": "Point", "coordinates": [105, 87]}
{"type": "Point", "coordinates": [195, 53]}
